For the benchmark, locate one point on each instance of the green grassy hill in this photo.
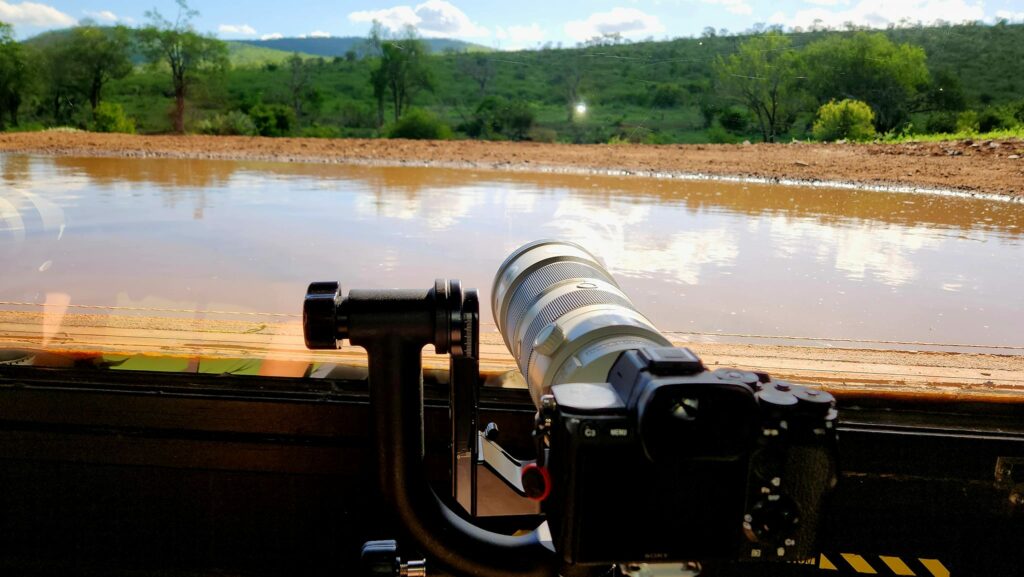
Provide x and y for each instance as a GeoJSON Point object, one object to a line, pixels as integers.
{"type": "Point", "coordinates": [246, 55]}
{"type": "Point", "coordinates": [240, 53]}
{"type": "Point", "coordinates": [622, 85]}
{"type": "Point", "coordinates": [339, 45]}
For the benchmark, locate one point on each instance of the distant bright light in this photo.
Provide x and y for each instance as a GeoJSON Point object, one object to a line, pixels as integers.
{"type": "Point", "coordinates": [581, 108]}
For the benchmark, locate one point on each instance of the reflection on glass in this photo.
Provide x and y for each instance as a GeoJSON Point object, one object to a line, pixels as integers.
{"type": "Point", "coordinates": [96, 252]}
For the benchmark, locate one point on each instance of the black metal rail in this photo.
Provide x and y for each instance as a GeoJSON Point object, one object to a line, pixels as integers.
{"type": "Point", "coordinates": [167, 474]}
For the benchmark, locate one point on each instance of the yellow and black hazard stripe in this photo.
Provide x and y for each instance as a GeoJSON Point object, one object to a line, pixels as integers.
{"type": "Point", "coordinates": [854, 564]}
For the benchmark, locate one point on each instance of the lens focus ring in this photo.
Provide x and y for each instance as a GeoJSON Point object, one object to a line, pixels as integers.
{"type": "Point", "coordinates": [547, 282]}
{"type": "Point", "coordinates": [557, 308]}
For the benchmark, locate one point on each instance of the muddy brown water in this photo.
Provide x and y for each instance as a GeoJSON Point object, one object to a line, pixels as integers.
{"type": "Point", "coordinates": [727, 261]}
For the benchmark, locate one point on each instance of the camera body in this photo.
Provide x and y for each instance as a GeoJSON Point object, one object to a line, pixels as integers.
{"type": "Point", "coordinates": [668, 461]}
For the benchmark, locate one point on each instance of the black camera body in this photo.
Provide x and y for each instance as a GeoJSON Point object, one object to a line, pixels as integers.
{"type": "Point", "coordinates": [668, 461]}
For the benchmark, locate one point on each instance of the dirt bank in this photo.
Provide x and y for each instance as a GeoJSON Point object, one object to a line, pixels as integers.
{"type": "Point", "coordinates": [994, 167]}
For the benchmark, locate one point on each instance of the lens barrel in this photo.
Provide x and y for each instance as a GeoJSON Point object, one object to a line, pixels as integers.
{"type": "Point", "coordinates": [563, 317]}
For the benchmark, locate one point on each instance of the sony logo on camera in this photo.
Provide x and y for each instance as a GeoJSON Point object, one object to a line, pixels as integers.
{"type": "Point", "coordinates": [669, 461]}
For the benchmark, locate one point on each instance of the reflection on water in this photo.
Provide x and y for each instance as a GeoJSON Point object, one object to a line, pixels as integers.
{"type": "Point", "coordinates": [695, 256]}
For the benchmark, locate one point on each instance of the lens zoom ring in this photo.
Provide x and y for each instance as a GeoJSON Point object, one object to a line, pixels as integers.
{"type": "Point", "coordinates": [538, 281]}
{"type": "Point", "coordinates": [557, 308]}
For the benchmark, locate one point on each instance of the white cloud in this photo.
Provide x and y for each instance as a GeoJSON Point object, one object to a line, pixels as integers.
{"type": "Point", "coordinates": [735, 6]}
{"type": "Point", "coordinates": [1011, 16]}
{"type": "Point", "coordinates": [319, 34]}
{"type": "Point", "coordinates": [624, 21]}
{"type": "Point", "coordinates": [103, 16]}
{"type": "Point", "coordinates": [882, 13]}
{"type": "Point", "coordinates": [888, 254]}
{"type": "Point", "coordinates": [431, 18]}
{"type": "Point", "coordinates": [444, 18]}
{"type": "Point", "coordinates": [34, 14]}
{"type": "Point", "coordinates": [828, 2]}
{"type": "Point", "coordinates": [516, 37]}
{"type": "Point", "coordinates": [392, 18]}
{"type": "Point", "coordinates": [239, 29]}
{"type": "Point", "coordinates": [618, 232]}
{"type": "Point", "coordinates": [274, 36]}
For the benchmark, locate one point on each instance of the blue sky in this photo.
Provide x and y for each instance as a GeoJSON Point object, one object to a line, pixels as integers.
{"type": "Point", "coordinates": [501, 23]}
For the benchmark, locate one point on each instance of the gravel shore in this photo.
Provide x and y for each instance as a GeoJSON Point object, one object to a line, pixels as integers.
{"type": "Point", "coordinates": [978, 167]}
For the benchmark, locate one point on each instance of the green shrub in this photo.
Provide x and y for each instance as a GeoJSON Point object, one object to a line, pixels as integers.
{"type": "Point", "coordinates": [718, 135]}
{"type": "Point", "coordinates": [26, 127]}
{"type": "Point", "coordinates": [667, 96]}
{"type": "Point", "coordinates": [542, 134]}
{"type": "Point", "coordinates": [418, 124]}
{"type": "Point", "coordinates": [234, 123]}
{"type": "Point", "coordinates": [993, 119]}
{"type": "Point", "coordinates": [497, 118]}
{"type": "Point", "coordinates": [357, 115]}
{"type": "Point", "coordinates": [846, 119]}
{"type": "Point", "coordinates": [321, 132]}
{"type": "Point", "coordinates": [272, 119]}
{"type": "Point", "coordinates": [734, 120]}
{"type": "Point", "coordinates": [967, 121]}
{"type": "Point", "coordinates": [110, 117]}
{"type": "Point", "coordinates": [1017, 111]}
{"type": "Point", "coordinates": [941, 123]}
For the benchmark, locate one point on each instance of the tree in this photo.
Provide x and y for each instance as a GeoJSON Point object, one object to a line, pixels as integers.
{"type": "Point", "coordinates": [15, 75]}
{"type": "Point", "coordinates": [100, 55]}
{"type": "Point", "coordinates": [402, 70]}
{"type": "Point", "coordinates": [75, 67]}
{"type": "Point", "coordinates": [943, 94]}
{"type": "Point", "coordinates": [763, 75]}
{"type": "Point", "coordinates": [374, 48]}
{"type": "Point", "coordinates": [187, 54]}
{"type": "Point", "coordinates": [479, 67]}
{"type": "Point", "coordinates": [871, 68]}
{"type": "Point", "coordinates": [63, 80]}
{"type": "Point", "coordinates": [298, 82]}
{"type": "Point", "coordinates": [569, 76]}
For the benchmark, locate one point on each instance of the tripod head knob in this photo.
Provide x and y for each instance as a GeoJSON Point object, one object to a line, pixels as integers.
{"type": "Point", "coordinates": [320, 322]}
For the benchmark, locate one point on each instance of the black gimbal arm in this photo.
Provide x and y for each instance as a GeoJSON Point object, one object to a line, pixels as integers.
{"type": "Point", "coordinates": [394, 326]}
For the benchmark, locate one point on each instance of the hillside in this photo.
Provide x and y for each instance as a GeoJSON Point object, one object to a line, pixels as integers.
{"type": "Point", "coordinates": [338, 46]}
{"type": "Point", "coordinates": [655, 92]}
{"type": "Point", "coordinates": [240, 53]}
{"type": "Point", "coordinates": [243, 54]}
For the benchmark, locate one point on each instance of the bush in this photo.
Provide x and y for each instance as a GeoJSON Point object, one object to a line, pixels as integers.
{"type": "Point", "coordinates": [272, 119]}
{"type": "Point", "coordinates": [967, 121]}
{"type": "Point", "coordinates": [110, 117]}
{"type": "Point", "coordinates": [847, 119]}
{"type": "Point", "coordinates": [667, 96]}
{"type": "Point", "coordinates": [542, 134]}
{"type": "Point", "coordinates": [734, 120]}
{"type": "Point", "coordinates": [234, 123]}
{"type": "Point", "coordinates": [1017, 111]}
{"type": "Point", "coordinates": [941, 123]}
{"type": "Point", "coordinates": [321, 132]}
{"type": "Point", "coordinates": [357, 115]}
{"type": "Point", "coordinates": [992, 119]}
{"type": "Point", "coordinates": [27, 127]}
{"type": "Point", "coordinates": [419, 124]}
{"type": "Point", "coordinates": [496, 117]}
{"type": "Point", "coordinates": [719, 135]}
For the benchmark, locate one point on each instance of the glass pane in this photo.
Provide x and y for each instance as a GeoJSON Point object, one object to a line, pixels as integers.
{"type": "Point", "coordinates": [201, 266]}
